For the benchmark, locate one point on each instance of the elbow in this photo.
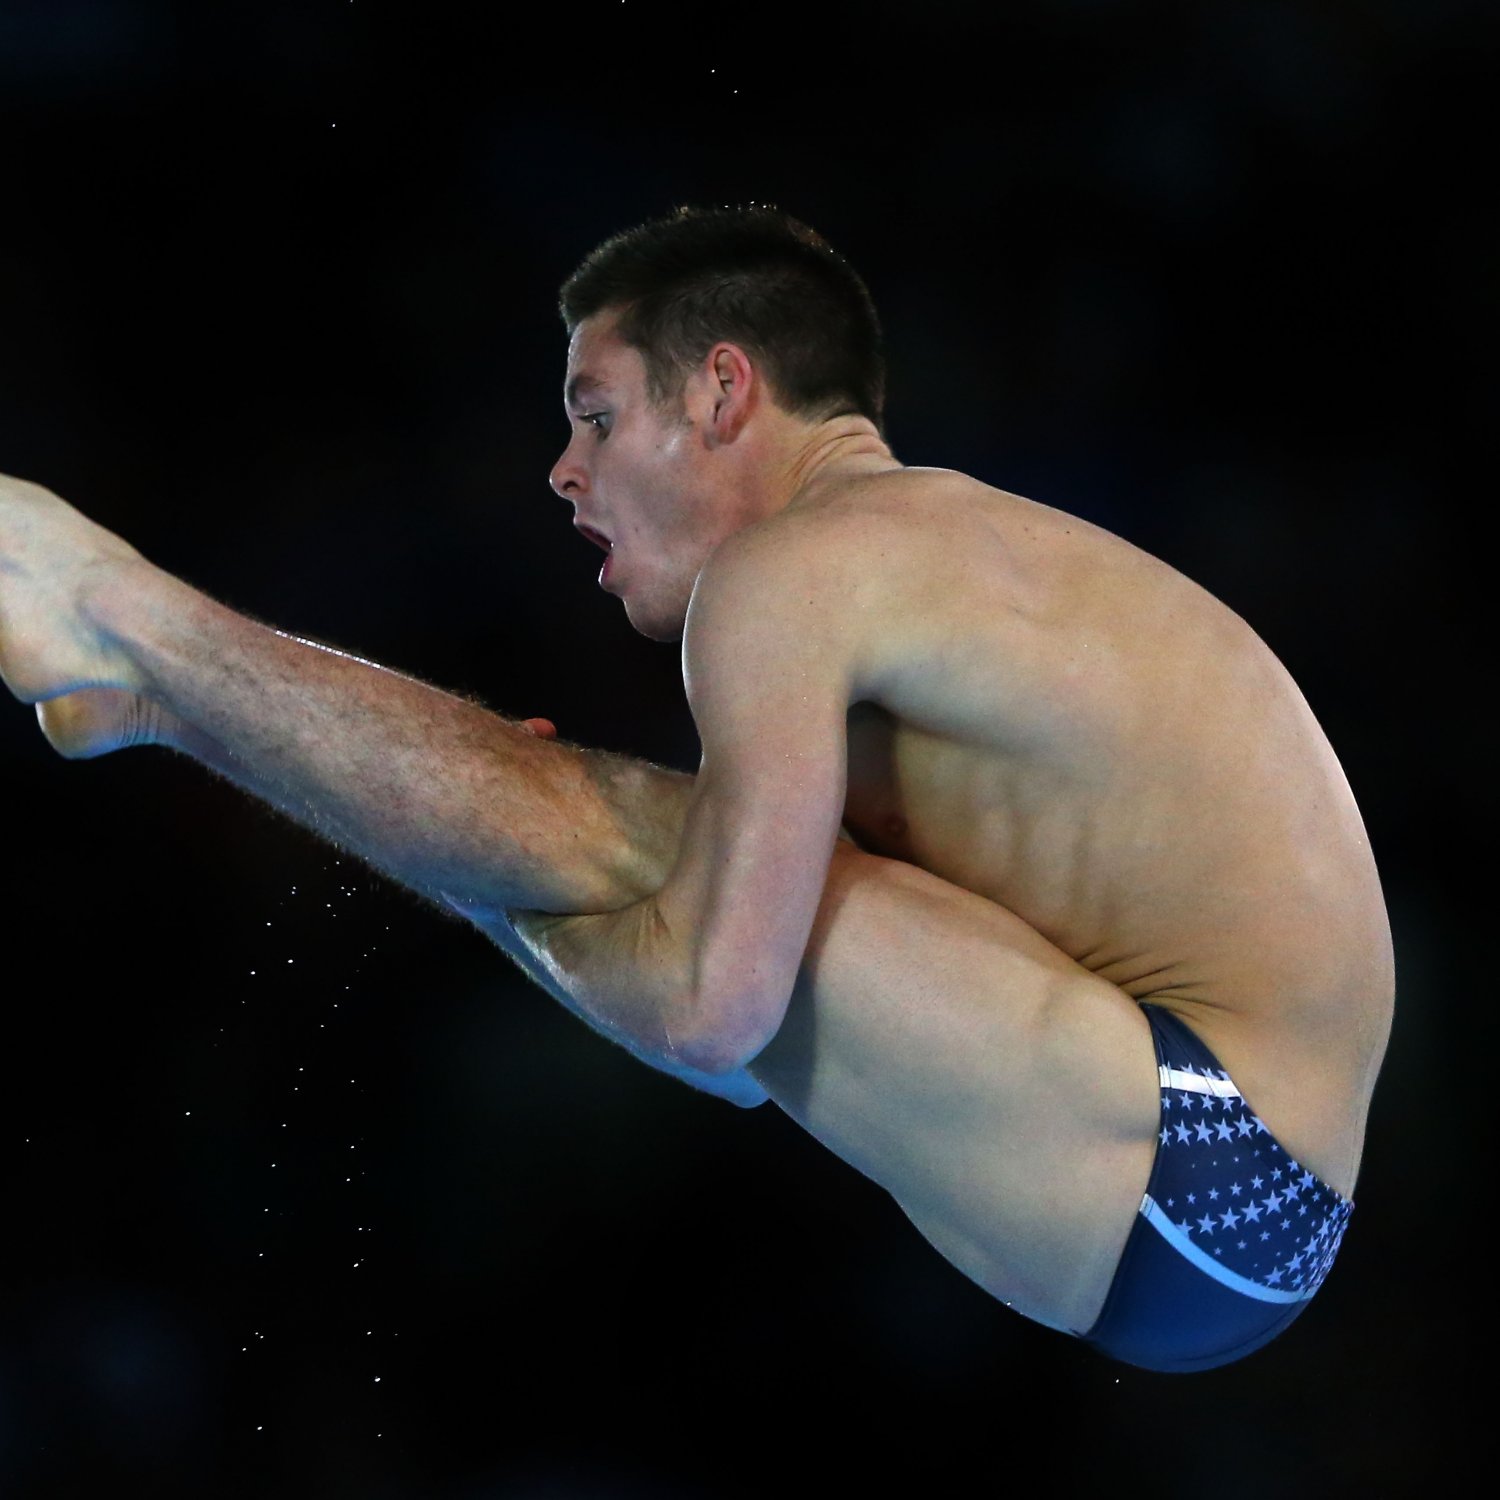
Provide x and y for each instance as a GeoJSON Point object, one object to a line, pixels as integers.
{"type": "Point", "coordinates": [722, 1039]}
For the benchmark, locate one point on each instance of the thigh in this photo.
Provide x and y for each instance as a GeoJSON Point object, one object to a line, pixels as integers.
{"type": "Point", "coordinates": [1004, 1096]}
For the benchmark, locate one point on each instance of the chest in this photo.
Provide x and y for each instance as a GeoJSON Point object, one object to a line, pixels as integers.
{"type": "Point", "coordinates": [871, 804]}
{"type": "Point", "coordinates": [967, 811]}
{"type": "Point", "coordinates": [898, 784]}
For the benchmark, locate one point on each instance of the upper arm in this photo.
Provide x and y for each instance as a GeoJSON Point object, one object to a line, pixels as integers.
{"type": "Point", "coordinates": [769, 662]}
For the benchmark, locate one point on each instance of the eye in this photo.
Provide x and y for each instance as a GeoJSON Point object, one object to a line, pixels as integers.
{"type": "Point", "coordinates": [599, 419]}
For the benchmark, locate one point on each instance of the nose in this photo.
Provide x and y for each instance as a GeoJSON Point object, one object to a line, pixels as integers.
{"type": "Point", "coordinates": [568, 478]}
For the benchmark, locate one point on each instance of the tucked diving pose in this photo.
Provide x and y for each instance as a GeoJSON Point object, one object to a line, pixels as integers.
{"type": "Point", "coordinates": [1016, 869]}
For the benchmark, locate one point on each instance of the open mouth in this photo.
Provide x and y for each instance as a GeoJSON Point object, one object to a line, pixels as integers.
{"type": "Point", "coordinates": [598, 538]}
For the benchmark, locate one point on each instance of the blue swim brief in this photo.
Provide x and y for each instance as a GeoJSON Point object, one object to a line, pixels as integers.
{"type": "Point", "coordinates": [1233, 1236]}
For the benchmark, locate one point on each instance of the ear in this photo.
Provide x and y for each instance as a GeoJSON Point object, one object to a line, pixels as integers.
{"type": "Point", "coordinates": [733, 392]}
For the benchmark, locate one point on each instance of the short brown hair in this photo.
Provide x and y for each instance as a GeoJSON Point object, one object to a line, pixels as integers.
{"type": "Point", "coordinates": [754, 276]}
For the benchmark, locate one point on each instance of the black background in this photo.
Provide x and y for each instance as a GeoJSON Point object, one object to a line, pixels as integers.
{"type": "Point", "coordinates": [306, 1192]}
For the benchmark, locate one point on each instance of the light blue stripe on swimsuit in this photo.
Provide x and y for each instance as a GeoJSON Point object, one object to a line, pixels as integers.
{"type": "Point", "coordinates": [1159, 1221]}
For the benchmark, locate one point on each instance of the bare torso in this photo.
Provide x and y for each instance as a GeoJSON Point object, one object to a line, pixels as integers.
{"type": "Point", "coordinates": [1059, 722]}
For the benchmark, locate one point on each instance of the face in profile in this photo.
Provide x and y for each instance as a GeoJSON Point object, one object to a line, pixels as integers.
{"type": "Point", "coordinates": [637, 479]}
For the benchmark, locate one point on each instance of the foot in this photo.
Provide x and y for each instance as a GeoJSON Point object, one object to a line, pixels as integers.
{"type": "Point", "coordinates": [86, 724]}
{"type": "Point", "coordinates": [52, 558]}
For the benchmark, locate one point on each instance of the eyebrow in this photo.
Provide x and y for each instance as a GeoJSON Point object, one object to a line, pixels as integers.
{"type": "Point", "coordinates": [580, 383]}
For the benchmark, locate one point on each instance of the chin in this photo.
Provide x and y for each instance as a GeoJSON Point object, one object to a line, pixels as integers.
{"type": "Point", "coordinates": [667, 626]}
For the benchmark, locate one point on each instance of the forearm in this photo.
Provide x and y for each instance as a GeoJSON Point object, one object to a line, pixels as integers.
{"type": "Point", "coordinates": [524, 936]}
{"type": "Point", "coordinates": [440, 793]}
{"type": "Point", "coordinates": [620, 969]}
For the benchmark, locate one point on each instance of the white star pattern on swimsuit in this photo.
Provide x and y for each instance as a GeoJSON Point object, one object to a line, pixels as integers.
{"type": "Point", "coordinates": [1283, 1226]}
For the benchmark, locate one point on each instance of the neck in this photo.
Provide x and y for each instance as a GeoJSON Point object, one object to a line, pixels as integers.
{"type": "Point", "coordinates": [791, 462]}
{"type": "Point", "coordinates": [837, 449]}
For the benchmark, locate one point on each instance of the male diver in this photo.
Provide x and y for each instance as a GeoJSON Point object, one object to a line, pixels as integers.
{"type": "Point", "coordinates": [1017, 869]}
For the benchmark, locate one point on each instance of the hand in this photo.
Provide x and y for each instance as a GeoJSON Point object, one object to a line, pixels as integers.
{"type": "Point", "coordinates": [51, 558]}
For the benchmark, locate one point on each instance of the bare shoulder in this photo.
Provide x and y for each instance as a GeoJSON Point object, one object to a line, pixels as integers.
{"type": "Point", "coordinates": [833, 552]}
{"type": "Point", "coordinates": [823, 580]}
{"type": "Point", "coordinates": [952, 547]}
{"type": "Point", "coordinates": [936, 562]}
{"type": "Point", "coordinates": [933, 526]}
{"type": "Point", "coordinates": [908, 568]}
{"type": "Point", "coordinates": [867, 532]}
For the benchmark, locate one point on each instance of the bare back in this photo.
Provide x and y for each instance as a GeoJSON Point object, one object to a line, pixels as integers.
{"type": "Point", "coordinates": [1059, 722]}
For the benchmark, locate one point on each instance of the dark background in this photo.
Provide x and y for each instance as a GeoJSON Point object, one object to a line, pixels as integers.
{"type": "Point", "coordinates": [306, 1192]}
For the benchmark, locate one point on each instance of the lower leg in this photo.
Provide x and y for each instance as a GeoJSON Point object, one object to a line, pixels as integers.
{"type": "Point", "coordinates": [435, 790]}
{"type": "Point", "coordinates": [631, 811]}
